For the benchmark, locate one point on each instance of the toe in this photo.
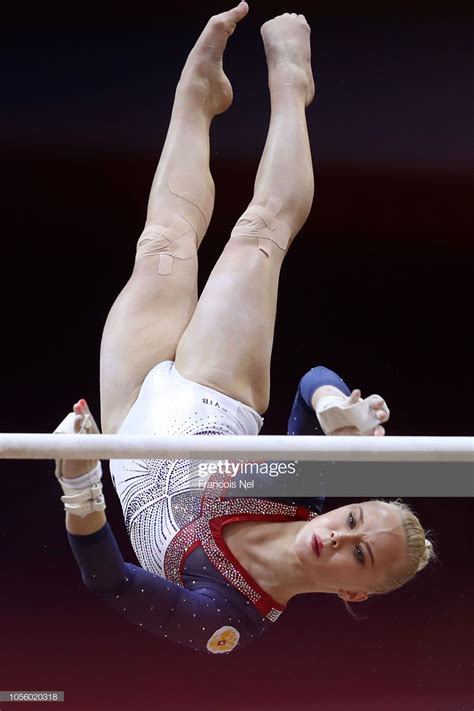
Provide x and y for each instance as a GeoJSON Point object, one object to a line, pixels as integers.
{"type": "Point", "coordinates": [227, 21]}
{"type": "Point", "coordinates": [237, 12]}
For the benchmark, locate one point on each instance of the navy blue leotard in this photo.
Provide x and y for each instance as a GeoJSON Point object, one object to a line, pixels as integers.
{"type": "Point", "coordinates": [206, 600]}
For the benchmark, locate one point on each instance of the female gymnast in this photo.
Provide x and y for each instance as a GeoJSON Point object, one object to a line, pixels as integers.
{"type": "Point", "coordinates": [217, 571]}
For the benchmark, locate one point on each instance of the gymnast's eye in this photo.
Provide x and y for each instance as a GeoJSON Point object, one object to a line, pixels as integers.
{"type": "Point", "coordinates": [351, 520]}
{"type": "Point", "coordinates": [359, 554]}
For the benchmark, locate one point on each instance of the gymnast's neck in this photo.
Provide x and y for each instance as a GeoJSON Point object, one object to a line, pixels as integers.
{"type": "Point", "coordinates": [266, 551]}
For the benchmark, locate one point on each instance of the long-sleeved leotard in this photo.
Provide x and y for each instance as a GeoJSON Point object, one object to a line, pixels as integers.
{"type": "Point", "coordinates": [303, 420]}
{"type": "Point", "coordinates": [197, 594]}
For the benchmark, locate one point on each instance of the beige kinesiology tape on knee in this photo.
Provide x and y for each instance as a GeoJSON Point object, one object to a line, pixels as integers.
{"type": "Point", "coordinates": [179, 241]}
{"type": "Point", "coordinates": [262, 223]}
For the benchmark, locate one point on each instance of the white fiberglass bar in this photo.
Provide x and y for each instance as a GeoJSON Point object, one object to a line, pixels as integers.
{"type": "Point", "coordinates": [284, 448]}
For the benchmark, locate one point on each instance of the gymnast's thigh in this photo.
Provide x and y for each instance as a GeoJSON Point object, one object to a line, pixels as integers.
{"type": "Point", "coordinates": [143, 328]}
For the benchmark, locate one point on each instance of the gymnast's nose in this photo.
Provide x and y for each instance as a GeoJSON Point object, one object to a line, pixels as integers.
{"type": "Point", "coordinates": [338, 538]}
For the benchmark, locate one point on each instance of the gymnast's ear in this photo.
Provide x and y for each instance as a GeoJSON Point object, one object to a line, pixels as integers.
{"type": "Point", "coordinates": [349, 596]}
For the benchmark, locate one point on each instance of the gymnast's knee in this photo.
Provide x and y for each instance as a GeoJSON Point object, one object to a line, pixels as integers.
{"type": "Point", "coordinates": [260, 225]}
{"type": "Point", "coordinates": [180, 239]}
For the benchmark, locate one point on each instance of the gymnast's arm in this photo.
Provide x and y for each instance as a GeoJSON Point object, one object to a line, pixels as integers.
{"type": "Point", "coordinates": [191, 618]}
{"type": "Point", "coordinates": [194, 618]}
{"type": "Point", "coordinates": [303, 420]}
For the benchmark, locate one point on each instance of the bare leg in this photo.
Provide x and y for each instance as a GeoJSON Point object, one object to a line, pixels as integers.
{"type": "Point", "coordinates": [228, 342]}
{"type": "Point", "coordinates": [153, 310]}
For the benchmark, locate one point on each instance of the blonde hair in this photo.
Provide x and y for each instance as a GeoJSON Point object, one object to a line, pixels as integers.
{"type": "Point", "coordinates": [420, 550]}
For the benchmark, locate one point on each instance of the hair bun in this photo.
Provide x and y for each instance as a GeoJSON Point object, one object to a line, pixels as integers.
{"type": "Point", "coordinates": [427, 554]}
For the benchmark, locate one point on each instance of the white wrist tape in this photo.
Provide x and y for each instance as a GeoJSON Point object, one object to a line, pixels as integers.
{"type": "Point", "coordinates": [82, 482]}
{"type": "Point", "coordinates": [334, 412]}
{"type": "Point", "coordinates": [83, 495]}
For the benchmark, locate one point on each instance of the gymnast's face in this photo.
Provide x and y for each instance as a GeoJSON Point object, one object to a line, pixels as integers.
{"type": "Point", "coordinates": [351, 549]}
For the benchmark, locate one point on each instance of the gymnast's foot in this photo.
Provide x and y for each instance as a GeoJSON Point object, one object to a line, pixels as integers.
{"type": "Point", "coordinates": [84, 423]}
{"type": "Point", "coordinates": [203, 79]}
{"type": "Point", "coordinates": [288, 50]}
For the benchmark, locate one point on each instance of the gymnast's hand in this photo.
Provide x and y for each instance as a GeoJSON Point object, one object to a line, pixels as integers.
{"type": "Point", "coordinates": [84, 423]}
{"type": "Point", "coordinates": [339, 414]}
{"type": "Point", "coordinates": [378, 408]}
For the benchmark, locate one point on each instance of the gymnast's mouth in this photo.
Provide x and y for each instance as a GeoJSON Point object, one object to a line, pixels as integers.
{"type": "Point", "coordinates": [317, 544]}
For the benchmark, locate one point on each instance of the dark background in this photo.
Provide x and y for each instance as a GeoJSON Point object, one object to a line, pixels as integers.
{"type": "Point", "coordinates": [377, 286]}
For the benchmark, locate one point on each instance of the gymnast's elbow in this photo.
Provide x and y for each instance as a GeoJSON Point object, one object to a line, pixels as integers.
{"type": "Point", "coordinates": [108, 584]}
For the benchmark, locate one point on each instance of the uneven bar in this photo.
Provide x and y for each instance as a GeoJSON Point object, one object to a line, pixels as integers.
{"type": "Point", "coordinates": [281, 447]}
